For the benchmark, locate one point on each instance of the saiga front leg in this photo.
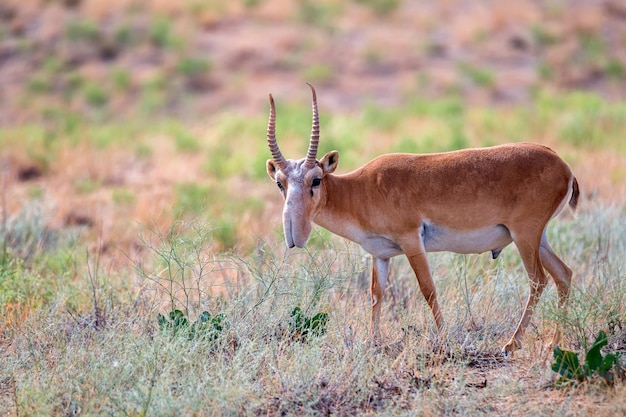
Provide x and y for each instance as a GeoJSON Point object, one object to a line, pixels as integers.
{"type": "Point", "coordinates": [419, 263]}
{"type": "Point", "coordinates": [380, 276]}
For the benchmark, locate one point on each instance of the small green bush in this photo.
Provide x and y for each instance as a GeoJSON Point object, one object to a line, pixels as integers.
{"type": "Point", "coordinates": [614, 69]}
{"type": "Point", "coordinates": [543, 37]}
{"type": "Point", "coordinates": [321, 14]}
{"type": "Point", "coordinates": [479, 76]}
{"type": "Point", "coordinates": [205, 328]}
{"type": "Point", "coordinates": [185, 140]}
{"type": "Point", "coordinates": [161, 34]}
{"type": "Point", "coordinates": [302, 326]}
{"type": "Point", "coordinates": [39, 83]}
{"type": "Point", "coordinates": [123, 35]}
{"type": "Point", "coordinates": [121, 79]}
{"type": "Point", "coordinates": [95, 94]}
{"type": "Point", "coordinates": [567, 364]}
{"type": "Point", "coordinates": [87, 185]}
{"type": "Point", "coordinates": [81, 30]}
{"type": "Point", "coordinates": [191, 198]}
{"type": "Point", "coordinates": [318, 73]}
{"type": "Point", "coordinates": [194, 66]}
{"type": "Point", "coordinates": [123, 196]}
{"type": "Point", "coordinates": [381, 7]}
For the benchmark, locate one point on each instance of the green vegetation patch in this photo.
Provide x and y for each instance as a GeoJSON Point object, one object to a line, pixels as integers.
{"type": "Point", "coordinates": [584, 120]}
{"type": "Point", "coordinates": [607, 367]}
{"type": "Point", "coordinates": [206, 328]}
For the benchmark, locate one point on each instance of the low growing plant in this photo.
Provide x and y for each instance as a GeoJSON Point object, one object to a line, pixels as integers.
{"type": "Point", "coordinates": [302, 326]}
{"type": "Point", "coordinates": [567, 364]}
{"type": "Point", "coordinates": [205, 328]}
{"type": "Point", "coordinates": [381, 7]}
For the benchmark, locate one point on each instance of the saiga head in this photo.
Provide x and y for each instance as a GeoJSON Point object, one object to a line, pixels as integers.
{"type": "Point", "coordinates": [301, 182]}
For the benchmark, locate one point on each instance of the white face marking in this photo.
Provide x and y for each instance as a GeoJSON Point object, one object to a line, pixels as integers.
{"type": "Point", "coordinates": [293, 216]}
{"type": "Point", "coordinates": [298, 202]}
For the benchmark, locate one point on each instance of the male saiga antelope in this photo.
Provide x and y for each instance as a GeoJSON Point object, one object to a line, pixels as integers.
{"type": "Point", "coordinates": [467, 201]}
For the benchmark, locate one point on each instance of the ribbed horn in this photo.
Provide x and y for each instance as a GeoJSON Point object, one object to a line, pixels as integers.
{"type": "Point", "coordinates": [315, 133]}
{"type": "Point", "coordinates": [271, 137]}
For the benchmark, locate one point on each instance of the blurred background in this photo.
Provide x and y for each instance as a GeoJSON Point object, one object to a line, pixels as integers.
{"type": "Point", "coordinates": [193, 57]}
{"type": "Point", "coordinates": [118, 113]}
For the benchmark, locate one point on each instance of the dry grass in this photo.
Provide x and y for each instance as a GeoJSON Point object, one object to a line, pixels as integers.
{"type": "Point", "coordinates": [93, 346]}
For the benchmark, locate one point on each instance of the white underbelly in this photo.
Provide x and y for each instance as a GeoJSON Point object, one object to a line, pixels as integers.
{"type": "Point", "coordinates": [492, 238]}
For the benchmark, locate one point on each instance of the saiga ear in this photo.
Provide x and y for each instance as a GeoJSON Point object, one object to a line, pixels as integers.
{"type": "Point", "coordinates": [329, 162]}
{"type": "Point", "coordinates": [271, 168]}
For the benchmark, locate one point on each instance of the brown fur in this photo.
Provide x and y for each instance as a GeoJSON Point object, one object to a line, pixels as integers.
{"type": "Point", "coordinates": [468, 201]}
{"type": "Point", "coordinates": [395, 192]}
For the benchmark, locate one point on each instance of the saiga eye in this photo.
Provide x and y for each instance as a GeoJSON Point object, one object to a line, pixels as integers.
{"type": "Point", "coordinates": [280, 186]}
{"type": "Point", "coordinates": [316, 182]}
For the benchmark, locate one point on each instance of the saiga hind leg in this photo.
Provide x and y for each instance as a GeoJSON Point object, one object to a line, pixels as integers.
{"type": "Point", "coordinates": [528, 247]}
{"type": "Point", "coordinates": [560, 273]}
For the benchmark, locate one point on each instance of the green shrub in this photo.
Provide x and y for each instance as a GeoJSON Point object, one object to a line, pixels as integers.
{"type": "Point", "coordinates": [301, 326]}
{"type": "Point", "coordinates": [123, 35]}
{"type": "Point", "coordinates": [206, 328]}
{"type": "Point", "coordinates": [615, 69]}
{"type": "Point", "coordinates": [542, 36]}
{"type": "Point", "coordinates": [445, 108]}
{"type": "Point", "coordinates": [545, 71]}
{"type": "Point", "coordinates": [381, 7]}
{"type": "Point", "coordinates": [607, 367]}
{"type": "Point", "coordinates": [479, 76]}
{"type": "Point", "coordinates": [161, 34]}
{"type": "Point", "coordinates": [153, 93]}
{"type": "Point", "coordinates": [123, 196]}
{"type": "Point", "coordinates": [191, 198]}
{"type": "Point", "coordinates": [319, 13]}
{"type": "Point", "coordinates": [406, 145]}
{"type": "Point", "coordinates": [225, 232]}
{"type": "Point", "coordinates": [81, 30]}
{"type": "Point", "coordinates": [379, 118]}
{"type": "Point", "coordinates": [185, 140]}
{"type": "Point", "coordinates": [318, 73]}
{"type": "Point", "coordinates": [39, 83]}
{"type": "Point", "coordinates": [73, 83]}
{"type": "Point", "coordinates": [121, 79]}
{"type": "Point", "coordinates": [87, 185]}
{"type": "Point", "coordinates": [592, 45]}
{"type": "Point", "coordinates": [222, 162]}
{"type": "Point", "coordinates": [95, 94]}
{"type": "Point", "coordinates": [194, 66]}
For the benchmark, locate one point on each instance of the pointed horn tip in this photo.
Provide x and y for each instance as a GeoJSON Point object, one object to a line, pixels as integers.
{"type": "Point", "coordinates": [312, 88]}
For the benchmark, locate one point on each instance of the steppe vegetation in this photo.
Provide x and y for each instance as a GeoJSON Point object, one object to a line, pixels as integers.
{"type": "Point", "coordinates": [142, 265]}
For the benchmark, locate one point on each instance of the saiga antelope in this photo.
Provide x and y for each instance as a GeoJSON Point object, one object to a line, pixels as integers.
{"type": "Point", "coordinates": [467, 201]}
